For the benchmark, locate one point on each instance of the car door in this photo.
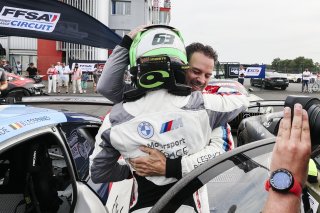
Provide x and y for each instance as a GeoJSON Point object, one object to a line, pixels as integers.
{"type": "Point", "coordinates": [80, 138]}
{"type": "Point", "coordinates": [37, 165]}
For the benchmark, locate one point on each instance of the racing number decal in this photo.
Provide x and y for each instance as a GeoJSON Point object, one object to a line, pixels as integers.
{"type": "Point", "coordinates": [153, 79]}
{"type": "Point", "coordinates": [163, 38]}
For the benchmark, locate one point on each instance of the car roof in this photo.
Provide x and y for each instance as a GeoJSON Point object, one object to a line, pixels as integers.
{"type": "Point", "coordinates": [17, 119]}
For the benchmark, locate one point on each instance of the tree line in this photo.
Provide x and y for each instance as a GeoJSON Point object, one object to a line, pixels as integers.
{"type": "Point", "coordinates": [297, 65]}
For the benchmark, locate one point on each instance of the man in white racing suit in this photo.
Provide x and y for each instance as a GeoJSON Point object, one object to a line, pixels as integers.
{"type": "Point", "coordinates": [177, 124]}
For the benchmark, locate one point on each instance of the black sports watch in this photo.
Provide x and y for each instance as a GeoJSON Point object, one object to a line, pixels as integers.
{"type": "Point", "coordinates": [281, 180]}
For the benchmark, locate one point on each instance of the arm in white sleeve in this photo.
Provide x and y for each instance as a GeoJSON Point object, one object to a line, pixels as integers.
{"type": "Point", "coordinates": [221, 141]}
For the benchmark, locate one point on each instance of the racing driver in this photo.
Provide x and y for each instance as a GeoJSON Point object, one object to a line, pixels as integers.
{"type": "Point", "coordinates": [162, 113]}
{"type": "Point", "coordinates": [201, 59]}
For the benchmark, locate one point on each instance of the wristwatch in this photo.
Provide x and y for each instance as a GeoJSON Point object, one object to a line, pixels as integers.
{"type": "Point", "coordinates": [282, 180]}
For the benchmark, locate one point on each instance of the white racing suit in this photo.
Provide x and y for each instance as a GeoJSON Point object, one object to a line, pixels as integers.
{"type": "Point", "coordinates": [112, 86]}
{"type": "Point", "coordinates": [178, 126]}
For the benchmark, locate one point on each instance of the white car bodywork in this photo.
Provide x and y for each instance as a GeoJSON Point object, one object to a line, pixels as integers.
{"type": "Point", "coordinates": [226, 85]}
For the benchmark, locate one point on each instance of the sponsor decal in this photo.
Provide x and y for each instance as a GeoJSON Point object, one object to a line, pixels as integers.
{"type": "Point", "coordinates": [145, 130]}
{"type": "Point", "coordinates": [150, 80]}
{"type": "Point", "coordinates": [16, 125]}
{"type": "Point", "coordinates": [21, 18]}
{"type": "Point", "coordinates": [31, 121]}
{"type": "Point", "coordinates": [75, 152]}
{"type": "Point", "coordinates": [80, 147]}
{"type": "Point", "coordinates": [170, 145]}
{"type": "Point", "coordinates": [21, 123]}
{"type": "Point", "coordinates": [171, 125]}
{"type": "Point", "coordinates": [176, 153]}
{"type": "Point", "coordinates": [234, 70]}
{"type": "Point", "coordinates": [202, 159]}
{"type": "Point", "coordinates": [85, 67]}
{"type": "Point", "coordinates": [82, 150]}
{"type": "Point", "coordinates": [4, 130]}
{"type": "Point", "coordinates": [253, 71]}
{"type": "Point", "coordinates": [172, 149]}
{"type": "Point", "coordinates": [73, 138]}
{"type": "Point", "coordinates": [153, 59]}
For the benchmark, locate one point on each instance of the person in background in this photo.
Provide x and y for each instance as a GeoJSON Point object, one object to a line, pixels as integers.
{"type": "Point", "coordinates": [32, 70]}
{"type": "Point", "coordinates": [96, 76]}
{"type": "Point", "coordinates": [64, 78]}
{"type": "Point", "coordinates": [84, 81]}
{"type": "Point", "coordinates": [19, 68]}
{"type": "Point", "coordinates": [60, 74]}
{"type": "Point", "coordinates": [52, 73]}
{"type": "Point", "coordinates": [76, 78]}
{"type": "Point", "coordinates": [305, 80]}
{"type": "Point", "coordinates": [3, 78]}
{"type": "Point", "coordinates": [6, 66]}
{"type": "Point", "coordinates": [241, 74]}
{"type": "Point", "coordinates": [291, 153]}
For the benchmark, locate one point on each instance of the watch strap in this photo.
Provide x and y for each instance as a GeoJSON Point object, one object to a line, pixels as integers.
{"type": "Point", "coordinates": [296, 189]}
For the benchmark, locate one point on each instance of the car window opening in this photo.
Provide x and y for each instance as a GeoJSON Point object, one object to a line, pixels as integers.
{"type": "Point", "coordinates": [34, 177]}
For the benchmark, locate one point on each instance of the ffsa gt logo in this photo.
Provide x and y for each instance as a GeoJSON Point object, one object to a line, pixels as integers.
{"type": "Point", "coordinates": [36, 20]}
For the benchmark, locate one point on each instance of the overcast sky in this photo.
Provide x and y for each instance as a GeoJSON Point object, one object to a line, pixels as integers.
{"type": "Point", "coordinates": [251, 31]}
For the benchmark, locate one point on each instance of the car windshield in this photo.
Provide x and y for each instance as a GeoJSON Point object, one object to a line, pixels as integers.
{"type": "Point", "coordinates": [242, 173]}
{"type": "Point", "coordinates": [245, 180]}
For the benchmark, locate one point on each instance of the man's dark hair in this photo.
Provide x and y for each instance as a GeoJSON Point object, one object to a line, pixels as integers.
{"type": "Point", "coordinates": [205, 49]}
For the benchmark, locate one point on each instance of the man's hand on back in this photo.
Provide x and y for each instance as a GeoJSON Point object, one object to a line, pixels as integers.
{"type": "Point", "coordinates": [152, 165]}
{"type": "Point", "coordinates": [132, 34]}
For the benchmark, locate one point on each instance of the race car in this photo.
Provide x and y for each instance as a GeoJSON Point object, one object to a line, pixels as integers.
{"type": "Point", "coordinates": [229, 86]}
{"type": "Point", "coordinates": [20, 87]}
{"type": "Point", "coordinates": [44, 160]}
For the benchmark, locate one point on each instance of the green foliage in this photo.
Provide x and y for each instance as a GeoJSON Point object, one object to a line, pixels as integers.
{"type": "Point", "coordinates": [296, 65]}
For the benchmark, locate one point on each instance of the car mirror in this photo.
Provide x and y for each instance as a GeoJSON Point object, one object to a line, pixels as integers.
{"type": "Point", "coordinates": [10, 78]}
{"type": "Point", "coordinates": [250, 90]}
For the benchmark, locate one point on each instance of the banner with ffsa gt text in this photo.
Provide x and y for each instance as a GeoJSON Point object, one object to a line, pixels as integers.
{"type": "Point", "coordinates": [54, 20]}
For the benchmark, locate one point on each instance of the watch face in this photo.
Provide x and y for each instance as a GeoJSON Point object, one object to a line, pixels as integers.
{"type": "Point", "coordinates": [281, 180]}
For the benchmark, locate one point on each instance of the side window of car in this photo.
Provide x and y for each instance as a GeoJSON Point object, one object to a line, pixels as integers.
{"type": "Point", "coordinates": [34, 178]}
{"type": "Point", "coordinates": [81, 139]}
